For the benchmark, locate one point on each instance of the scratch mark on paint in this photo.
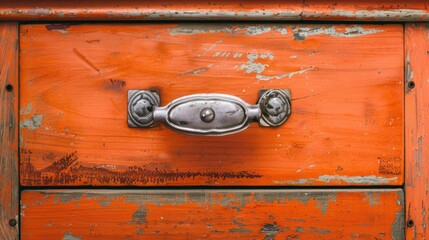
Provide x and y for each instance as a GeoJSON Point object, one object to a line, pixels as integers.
{"type": "Point", "coordinates": [289, 74]}
{"type": "Point", "coordinates": [86, 60]}
{"type": "Point", "coordinates": [252, 66]}
{"type": "Point", "coordinates": [59, 27]}
{"type": "Point", "coordinates": [69, 236]}
{"type": "Point", "coordinates": [211, 47]}
{"type": "Point", "coordinates": [195, 71]}
{"type": "Point", "coordinates": [26, 109]}
{"type": "Point", "coordinates": [303, 32]}
{"type": "Point", "coordinates": [33, 123]}
{"type": "Point", "coordinates": [418, 155]}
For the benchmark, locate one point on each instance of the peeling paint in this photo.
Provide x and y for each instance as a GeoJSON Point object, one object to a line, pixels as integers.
{"type": "Point", "coordinates": [250, 30]}
{"type": "Point", "coordinates": [139, 216]}
{"type": "Point", "coordinates": [373, 198]}
{"type": "Point", "coordinates": [373, 180]}
{"type": "Point", "coordinates": [257, 30]}
{"type": "Point", "coordinates": [270, 231]}
{"type": "Point", "coordinates": [312, 230]}
{"type": "Point", "coordinates": [39, 11]}
{"type": "Point", "coordinates": [252, 66]}
{"type": "Point", "coordinates": [218, 15]}
{"type": "Point", "coordinates": [33, 123]}
{"type": "Point", "coordinates": [398, 226]}
{"type": "Point", "coordinates": [302, 33]}
{"type": "Point", "coordinates": [394, 14]}
{"type": "Point", "coordinates": [69, 236]}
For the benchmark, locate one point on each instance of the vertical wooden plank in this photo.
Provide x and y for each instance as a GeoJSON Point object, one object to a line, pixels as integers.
{"type": "Point", "coordinates": [8, 130]}
{"type": "Point", "coordinates": [416, 130]}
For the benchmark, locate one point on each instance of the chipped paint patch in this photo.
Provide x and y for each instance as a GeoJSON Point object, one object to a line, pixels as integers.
{"type": "Point", "coordinates": [373, 180]}
{"type": "Point", "coordinates": [356, 179]}
{"type": "Point", "coordinates": [398, 226]}
{"type": "Point", "coordinates": [215, 15]}
{"type": "Point", "coordinates": [252, 66]}
{"type": "Point", "coordinates": [257, 30]}
{"type": "Point", "coordinates": [33, 123]}
{"type": "Point", "coordinates": [373, 198]}
{"type": "Point", "coordinates": [270, 231]}
{"type": "Point", "coordinates": [312, 230]}
{"type": "Point", "coordinates": [69, 236]}
{"type": "Point", "coordinates": [139, 216]}
{"type": "Point", "coordinates": [302, 33]}
{"type": "Point", "coordinates": [394, 14]}
{"type": "Point", "coordinates": [249, 30]}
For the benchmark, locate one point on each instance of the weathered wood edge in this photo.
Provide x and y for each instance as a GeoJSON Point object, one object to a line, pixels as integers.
{"type": "Point", "coordinates": [289, 10]}
{"type": "Point", "coordinates": [9, 195]}
{"type": "Point", "coordinates": [416, 130]}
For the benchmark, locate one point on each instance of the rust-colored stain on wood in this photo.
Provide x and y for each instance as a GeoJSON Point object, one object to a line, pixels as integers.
{"type": "Point", "coordinates": [9, 131]}
{"type": "Point", "coordinates": [196, 214]}
{"type": "Point", "coordinates": [416, 131]}
{"type": "Point", "coordinates": [346, 127]}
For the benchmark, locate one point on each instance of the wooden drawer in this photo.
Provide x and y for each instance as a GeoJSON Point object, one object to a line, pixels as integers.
{"type": "Point", "coordinates": [350, 162]}
{"type": "Point", "coordinates": [346, 83]}
{"type": "Point", "coordinates": [213, 214]}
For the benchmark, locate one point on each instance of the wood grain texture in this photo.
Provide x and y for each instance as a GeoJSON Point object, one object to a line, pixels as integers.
{"type": "Point", "coordinates": [416, 130]}
{"type": "Point", "coordinates": [8, 129]}
{"type": "Point", "coordinates": [366, 10]}
{"type": "Point", "coordinates": [346, 127]}
{"type": "Point", "coordinates": [324, 10]}
{"type": "Point", "coordinates": [213, 214]}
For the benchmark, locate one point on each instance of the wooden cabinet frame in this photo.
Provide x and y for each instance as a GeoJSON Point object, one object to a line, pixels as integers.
{"type": "Point", "coordinates": [416, 72]}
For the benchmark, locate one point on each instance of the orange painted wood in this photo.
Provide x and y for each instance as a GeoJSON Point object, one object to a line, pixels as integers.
{"type": "Point", "coordinates": [213, 214]}
{"type": "Point", "coordinates": [150, 10]}
{"type": "Point", "coordinates": [416, 131]}
{"type": "Point", "coordinates": [366, 10]}
{"type": "Point", "coordinates": [346, 81]}
{"type": "Point", "coordinates": [326, 10]}
{"type": "Point", "coordinates": [8, 130]}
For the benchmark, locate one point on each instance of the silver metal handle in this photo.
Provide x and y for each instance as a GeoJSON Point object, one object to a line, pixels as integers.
{"type": "Point", "coordinates": [208, 114]}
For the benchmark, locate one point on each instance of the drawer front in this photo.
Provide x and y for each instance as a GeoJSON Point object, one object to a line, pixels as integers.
{"type": "Point", "coordinates": [213, 214]}
{"type": "Point", "coordinates": [346, 84]}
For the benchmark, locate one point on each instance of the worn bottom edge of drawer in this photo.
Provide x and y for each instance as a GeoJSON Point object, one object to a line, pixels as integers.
{"type": "Point", "coordinates": [228, 214]}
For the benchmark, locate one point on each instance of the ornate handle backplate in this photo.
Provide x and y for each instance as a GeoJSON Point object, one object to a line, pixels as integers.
{"type": "Point", "coordinates": [208, 114]}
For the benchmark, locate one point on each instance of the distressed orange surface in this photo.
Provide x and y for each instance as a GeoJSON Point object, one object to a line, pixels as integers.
{"type": "Point", "coordinates": [8, 130]}
{"type": "Point", "coordinates": [346, 81]}
{"type": "Point", "coordinates": [326, 10]}
{"type": "Point", "coordinates": [366, 10]}
{"type": "Point", "coordinates": [213, 214]}
{"type": "Point", "coordinates": [416, 131]}
{"type": "Point", "coordinates": [150, 10]}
